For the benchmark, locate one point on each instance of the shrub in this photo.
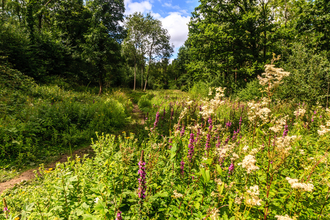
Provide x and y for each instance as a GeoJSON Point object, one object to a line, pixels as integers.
{"type": "Point", "coordinates": [251, 91]}
{"type": "Point", "coordinates": [309, 78]}
{"type": "Point", "coordinates": [145, 103]}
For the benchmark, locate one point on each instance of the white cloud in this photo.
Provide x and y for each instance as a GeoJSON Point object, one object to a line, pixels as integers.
{"type": "Point", "coordinates": [169, 5]}
{"type": "Point", "coordinates": [132, 7]}
{"type": "Point", "coordinates": [175, 22]}
{"type": "Point", "coordinates": [177, 26]}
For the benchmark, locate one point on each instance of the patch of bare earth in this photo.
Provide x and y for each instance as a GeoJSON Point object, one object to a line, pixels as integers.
{"type": "Point", "coordinates": [29, 174]}
{"type": "Point", "coordinates": [138, 115]}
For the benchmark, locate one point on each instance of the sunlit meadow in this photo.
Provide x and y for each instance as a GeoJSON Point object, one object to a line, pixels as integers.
{"type": "Point", "coordinates": [211, 158]}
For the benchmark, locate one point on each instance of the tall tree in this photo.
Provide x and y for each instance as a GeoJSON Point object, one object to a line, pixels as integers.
{"type": "Point", "coordinates": [157, 44]}
{"type": "Point", "coordinates": [134, 43]}
{"type": "Point", "coordinates": [230, 40]}
{"type": "Point", "coordinates": [105, 33]}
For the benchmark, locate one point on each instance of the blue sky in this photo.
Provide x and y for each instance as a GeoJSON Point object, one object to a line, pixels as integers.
{"type": "Point", "coordinates": [174, 15]}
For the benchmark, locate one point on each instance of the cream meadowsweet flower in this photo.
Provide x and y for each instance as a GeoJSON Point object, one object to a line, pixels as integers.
{"type": "Point", "coordinates": [176, 194]}
{"type": "Point", "coordinates": [280, 217]}
{"type": "Point", "coordinates": [238, 200]}
{"type": "Point", "coordinates": [249, 163]}
{"type": "Point", "coordinates": [245, 148]}
{"type": "Point", "coordinates": [214, 214]}
{"type": "Point", "coordinates": [323, 130]}
{"type": "Point", "coordinates": [253, 198]}
{"type": "Point", "coordinates": [299, 112]}
{"type": "Point", "coordinates": [296, 185]}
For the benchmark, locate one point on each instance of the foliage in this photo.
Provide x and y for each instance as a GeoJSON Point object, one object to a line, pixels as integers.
{"type": "Point", "coordinates": [309, 78]}
{"type": "Point", "coordinates": [40, 124]}
{"type": "Point", "coordinates": [145, 103]}
{"type": "Point", "coordinates": [224, 160]}
{"type": "Point", "coordinates": [252, 91]}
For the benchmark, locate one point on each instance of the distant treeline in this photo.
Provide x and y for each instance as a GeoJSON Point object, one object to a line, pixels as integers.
{"type": "Point", "coordinates": [229, 43]}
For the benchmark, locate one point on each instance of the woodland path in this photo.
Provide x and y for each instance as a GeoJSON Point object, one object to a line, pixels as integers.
{"type": "Point", "coordinates": [29, 175]}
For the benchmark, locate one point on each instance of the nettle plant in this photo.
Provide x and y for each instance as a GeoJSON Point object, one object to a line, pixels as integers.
{"type": "Point", "coordinates": [210, 159]}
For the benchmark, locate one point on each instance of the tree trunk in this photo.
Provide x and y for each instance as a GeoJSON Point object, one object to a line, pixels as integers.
{"type": "Point", "coordinates": [134, 76]}
{"type": "Point", "coordinates": [141, 77]}
{"type": "Point", "coordinates": [100, 83]}
{"type": "Point", "coordinates": [145, 84]}
{"type": "Point", "coordinates": [39, 22]}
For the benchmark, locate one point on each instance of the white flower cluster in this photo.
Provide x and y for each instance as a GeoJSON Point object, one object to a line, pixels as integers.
{"type": "Point", "coordinates": [214, 214]}
{"type": "Point", "coordinates": [245, 148]}
{"type": "Point", "coordinates": [299, 112]}
{"type": "Point", "coordinates": [209, 107]}
{"type": "Point", "coordinates": [176, 194]}
{"type": "Point", "coordinates": [280, 217]}
{"type": "Point", "coordinates": [283, 143]}
{"type": "Point", "coordinates": [249, 163]}
{"type": "Point", "coordinates": [238, 200]}
{"type": "Point", "coordinates": [296, 185]}
{"type": "Point", "coordinates": [259, 110]}
{"type": "Point", "coordinates": [278, 124]}
{"type": "Point", "coordinates": [234, 157]}
{"type": "Point", "coordinates": [323, 129]}
{"type": "Point", "coordinates": [253, 198]}
{"type": "Point", "coordinates": [272, 77]}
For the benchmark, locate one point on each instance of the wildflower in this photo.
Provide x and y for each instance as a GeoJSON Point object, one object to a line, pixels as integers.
{"type": "Point", "coordinates": [245, 148]}
{"type": "Point", "coordinates": [170, 141]}
{"type": "Point", "coordinates": [231, 168]}
{"type": "Point", "coordinates": [177, 195]}
{"type": "Point", "coordinates": [182, 167]}
{"type": "Point", "coordinates": [253, 198]}
{"type": "Point", "coordinates": [210, 122]}
{"type": "Point", "coordinates": [142, 180]}
{"type": "Point", "coordinates": [207, 144]}
{"type": "Point", "coordinates": [235, 157]}
{"type": "Point", "coordinates": [280, 217]}
{"type": "Point", "coordinates": [119, 216]}
{"type": "Point", "coordinates": [272, 77]}
{"type": "Point", "coordinates": [238, 200]}
{"type": "Point", "coordinates": [249, 163]}
{"type": "Point", "coordinates": [191, 147]}
{"type": "Point", "coordinates": [296, 185]}
{"type": "Point", "coordinates": [286, 130]}
{"type": "Point", "coordinates": [214, 214]}
{"type": "Point", "coordinates": [96, 200]}
{"type": "Point", "coordinates": [218, 142]}
{"type": "Point", "coordinates": [156, 120]}
{"type": "Point", "coordinates": [323, 130]}
{"type": "Point", "coordinates": [300, 112]}
{"type": "Point", "coordinates": [17, 218]}
{"type": "Point", "coordinates": [182, 131]}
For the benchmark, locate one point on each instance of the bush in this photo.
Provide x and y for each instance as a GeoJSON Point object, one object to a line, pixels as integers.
{"type": "Point", "coordinates": [145, 103]}
{"type": "Point", "coordinates": [199, 89]}
{"type": "Point", "coordinates": [309, 78]}
{"type": "Point", "coordinates": [251, 91]}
